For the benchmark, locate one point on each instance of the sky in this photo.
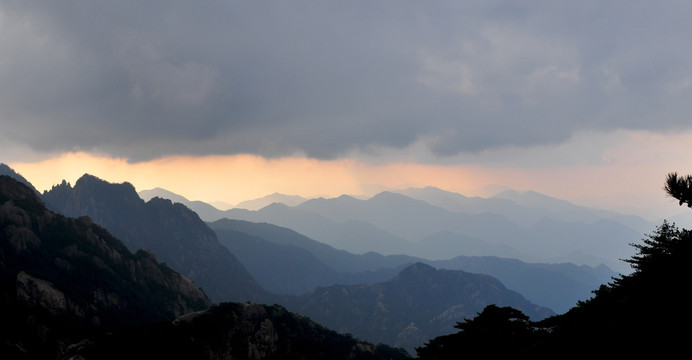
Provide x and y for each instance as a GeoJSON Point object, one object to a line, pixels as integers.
{"type": "Point", "coordinates": [587, 101]}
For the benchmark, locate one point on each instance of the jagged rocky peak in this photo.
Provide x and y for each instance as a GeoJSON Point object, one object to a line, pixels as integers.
{"type": "Point", "coordinates": [173, 232]}
{"type": "Point", "coordinates": [73, 267]}
{"type": "Point", "coordinates": [88, 185]}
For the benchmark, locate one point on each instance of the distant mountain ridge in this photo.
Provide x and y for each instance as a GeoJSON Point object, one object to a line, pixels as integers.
{"type": "Point", "coordinates": [202, 209]}
{"type": "Point", "coordinates": [295, 257]}
{"type": "Point", "coordinates": [339, 260]}
{"type": "Point", "coordinates": [349, 236]}
{"type": "Point", "coordinates": [416, 219]}
{"type": "Point", "coordinates": [524, 208]}
{"type": "Point", "coordinates": [546, 206]}
{"type": "Point", "coordinates": [557, 286]}
{"type": "Point", "coordinates": [208, 211]}
{"type": "Point", "coordinates": [406, 222]}
{"type": "Point", "coordinates": [419, 303]}
{"type": "Point", "coordinates": [531, 226]}
{"type": "Point", "coordinates": [172, 231]}
{"type": "Point", "coordinates": [256, 204]}
{"type": "Point", "coordinates": [299, 264]}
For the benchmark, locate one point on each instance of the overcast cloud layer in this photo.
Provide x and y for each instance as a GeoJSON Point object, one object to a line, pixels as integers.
{"type": "Point", "coordinates": [145, 79]}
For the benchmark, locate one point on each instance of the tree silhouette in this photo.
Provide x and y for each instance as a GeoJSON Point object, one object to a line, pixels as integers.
{"type": "Point", "coordinates": [659, 249]}
{"type": "Point", "coordinates": [495, 331]}
{"type": "Point", "coordinates": [679, 187]}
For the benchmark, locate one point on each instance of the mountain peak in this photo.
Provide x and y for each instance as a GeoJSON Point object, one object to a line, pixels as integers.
{"type": "Point", "coordinates": [88, 179]}
{"type": "Point", "coordinates": [429, 189]}
{"type": "Point", "coordinates": [162, 193]}
{"type": "Point", "coordinates": [92, 184]}
{"type": "Point", "coordinates": [392, 196]}
{"type": "Point", "coordinates": [256, 204]}
{"type": "Point", "coordinates": [418, 268]}
{"type": "Point", "coordinates": [275, 206]}
{"type": "Point", "coordinates": [532, 199]}
{"type": "Point", "coordinates": [418, 273]}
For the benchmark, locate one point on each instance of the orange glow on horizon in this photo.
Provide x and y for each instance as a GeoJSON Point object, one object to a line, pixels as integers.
{"type": "Point", "coordinates": [237, 178]}
{"type": "Point", "coordinates": [631, 175]}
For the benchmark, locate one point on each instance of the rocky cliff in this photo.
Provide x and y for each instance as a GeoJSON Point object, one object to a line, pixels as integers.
{"type": "Point", "coordinates": [60, 276]}
{"type": "Point", "coordinates": [170, 230]}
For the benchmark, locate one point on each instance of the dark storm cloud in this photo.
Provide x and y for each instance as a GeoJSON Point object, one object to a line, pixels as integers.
{"type": "Point", "coordinates": [144, 79]}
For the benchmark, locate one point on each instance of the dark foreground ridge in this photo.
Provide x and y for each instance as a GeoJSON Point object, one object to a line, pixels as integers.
{"type": "Point", "coordinates": [235, 331]}
{"type": "Point", "coordinates": [62, 276]}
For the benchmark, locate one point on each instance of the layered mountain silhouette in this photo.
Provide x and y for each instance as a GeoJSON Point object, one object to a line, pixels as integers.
{"type": "Point", "coordinates": [210, 212]}
{"type": "Point", "coordinates": [70, 290]}
{"type": "Point", "coordinates": [524, 208]}
{"type": "Point", "coordinates": [435, 224]}
{"type": "Point", "coordinates": [642, 314]}
{"type": "Point", "coordinates": [355, 236]}
{"type": "Point", "coordinates": [557, 286]}
{"type": "Point", "coordinates": [339, 260]}
{"type": "Point", "coordinates": [170, 230]}
{"type": "Point", "coordinates": [62, 277]}
{"type": "Point", "coordinates": [202, 209]}
{"type": "Point", "coordinates": [421, 302]}
{"type": "Point", "coordinates": [548, 239]}
{"type": "Point", "coordinates": [300, 264]}
{"type": "Point", "coordinates": [256, 204]}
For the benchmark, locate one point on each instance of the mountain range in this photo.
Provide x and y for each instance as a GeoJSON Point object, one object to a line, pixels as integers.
{"type": "Point", "coordinates": [419, 303]}
{"type": "Point", "coordinates": [71, 290]}
{"type": "Point", "coordinates": [173, 232]}
{"type": "Point", "coordinates": [265, 261]}
{"type": "Point", "coordinates": [39, 290]}
{"type": "Point", "coordinates": [435, 224]}
{"type": "Point", "coordinates": [524, 208]}
{"type": "Point", "coordinates": [209, 211]}
{"type": "Point", "coordinates": [187, 244]}
{"type": "Point", "coordinates": [300, 264]}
